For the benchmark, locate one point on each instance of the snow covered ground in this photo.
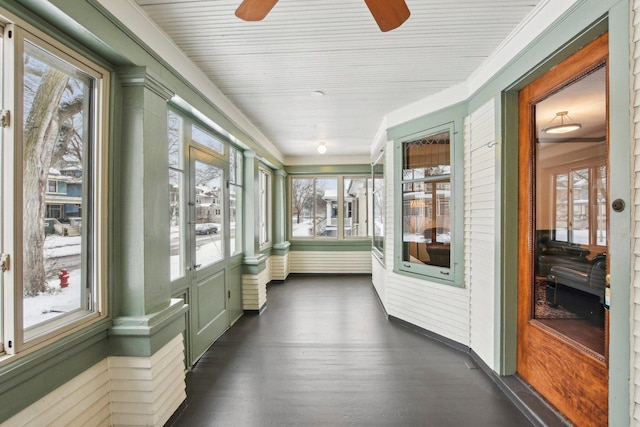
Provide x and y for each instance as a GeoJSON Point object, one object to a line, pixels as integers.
{"type": "Point", "coordinates": [304, 229]}
{"type": "Point", "coordinates": [56, 301]}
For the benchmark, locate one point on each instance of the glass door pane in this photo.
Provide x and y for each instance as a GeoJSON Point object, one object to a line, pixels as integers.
{"type": "Point", "coordinates": [208, 210]}
{"type": "Point", "coordinates": [571, 211]}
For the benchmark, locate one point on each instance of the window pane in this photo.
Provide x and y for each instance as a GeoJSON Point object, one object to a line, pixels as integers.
{"type": "Point", "coordinates": [302, 206]}
{"type": "Point", "coordinates": [580, 207]}
{"type": "Point", "coordinates": [426, 219]}
{"type": "Point", "coordinates": [264, 214]}
{"type": "Point", "coordinates": [233, 166]}
{"type": "Point", "coordinates": [426, 205]}
{"type": "Point", "coordinates": [570, 220]}
{"type": "Point", "coordinates": [235, 200]}
{"type": "Point", "coordinates": [562, 207]}
{"type": "Point", "coordinates": [208, 211]}
{"type": "Point", "coordinates": [378, 205]}
{"type": "Point", "coordinates": [355, 207]}
{"type": "Point", "coordinates": [428, 156]}
{"type": "Point", "coordinates": [174, 136]}
{"type": "Point", "coordinates": [57, 98]}
{"type": "Point", "coordinates": [176, 179]}
{"type": "Point", "coordinates": [326, 200]}
{"type": "Point", "coordinates": [206, 139]}
{"type": "Point", "coordinates": [235, 206]}
{"type": "Point", "coordinates": [601, 206]}
{"type": "Point", "coordinates": [175, 230]}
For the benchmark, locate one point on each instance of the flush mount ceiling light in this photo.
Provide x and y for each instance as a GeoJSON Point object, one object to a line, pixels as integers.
{"type": "Point", "coordinates": [322, 148]}
{"type": "Point", "coordinates": [565, 125]}
{"type": "Point", "coordinates": [317, 93]}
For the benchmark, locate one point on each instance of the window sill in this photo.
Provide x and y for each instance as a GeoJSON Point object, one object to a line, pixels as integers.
{"type": "Point", "coordinates": [71, 340]}
{"type": "Point", "coordinates": [430, 277]}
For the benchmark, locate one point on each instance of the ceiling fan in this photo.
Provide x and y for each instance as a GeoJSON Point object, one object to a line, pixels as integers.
{"type": "Point", "coordinates": [389, 14]}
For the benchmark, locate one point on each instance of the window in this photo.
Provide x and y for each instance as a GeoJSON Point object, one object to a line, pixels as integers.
{"type": "Point", "coordinates": [379, 202]}
{"type": "Point", "coordinates": [356, 207]}
{"type": "Point", "coordinates": [330, 207]}
{"type": "Point", "coordinates": [314, 207]}
{"type": "Point", "coordinates": [208, 223]}
{"type": "Point", "coordinates": [176, 195]}
{"type": "Point", "coordinates": [265, 206]}
{"type": "Point", "coordinates": [58, 271]}
{"type": "Point", "coordinates": [206, 139]}
{"type": "Point", "coordinates": [235, 200]}
{"type": "Point", "coordinates": [427, 191]}
{"type": "Point", "coordinates": [54, 211]}
{"type": "Point", "coordinates": [581, 206]}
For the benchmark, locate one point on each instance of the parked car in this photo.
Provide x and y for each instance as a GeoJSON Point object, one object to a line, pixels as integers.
{"type": "Point", "coordinates": [207, 228]}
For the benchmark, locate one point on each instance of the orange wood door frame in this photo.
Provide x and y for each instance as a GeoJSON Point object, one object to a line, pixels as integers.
{"type": "Point", "coordinates": [572, 379]}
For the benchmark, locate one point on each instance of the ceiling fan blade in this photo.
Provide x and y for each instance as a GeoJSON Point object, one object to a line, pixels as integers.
{"type": "Point", "coordinates": [254, 10]}
{"type": "Point", "coordinates": [389, 14]}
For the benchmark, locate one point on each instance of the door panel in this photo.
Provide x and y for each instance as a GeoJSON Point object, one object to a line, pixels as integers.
{"type": "Point", "coordinates": [235, 296]}
{"type": "Point", "coordinates": [209, 225]}
{"type": "Point", "coordinates": [562, 237]}
{"type": "Point", "coordinates": [212, 316]}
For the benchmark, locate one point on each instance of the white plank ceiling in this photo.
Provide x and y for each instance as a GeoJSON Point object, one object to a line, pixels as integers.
{"type": "Point", "coordinates": [270, 69]}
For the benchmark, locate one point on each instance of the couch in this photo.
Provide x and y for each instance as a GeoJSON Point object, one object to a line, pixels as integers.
{"type": "Point", "coordinates": [579, 288]}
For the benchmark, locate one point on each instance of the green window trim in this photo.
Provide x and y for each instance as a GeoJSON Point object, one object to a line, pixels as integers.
{"type": "Point", "coordinates": [448, 267]}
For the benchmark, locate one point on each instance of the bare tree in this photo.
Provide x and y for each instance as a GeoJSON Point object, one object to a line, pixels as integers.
{"type": "Point", "coordinates": [301, 195]}
{"type": "Point", "coordinates": [208, 176]}
{"type": "Point", "coordinates": [41, 132]}
{"type": "Point", "coordinates": [173, 132]}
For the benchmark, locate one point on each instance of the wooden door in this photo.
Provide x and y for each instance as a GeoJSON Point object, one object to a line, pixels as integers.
{"type": "Point", "coordinates": [563, 243]}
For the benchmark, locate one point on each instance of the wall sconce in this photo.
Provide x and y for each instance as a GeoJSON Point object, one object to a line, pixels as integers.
{"type": "Point", "coordinates": [322, 148]}
{"type": "Point", "coordinates": [563, 127]}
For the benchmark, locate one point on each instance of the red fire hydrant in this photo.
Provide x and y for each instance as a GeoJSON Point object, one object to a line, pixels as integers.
{"type": "Point", "coordinates": [63, 275]}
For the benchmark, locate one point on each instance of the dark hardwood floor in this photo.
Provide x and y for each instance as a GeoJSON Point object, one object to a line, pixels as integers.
{"type": "Point", "coordinates": [323, 354]}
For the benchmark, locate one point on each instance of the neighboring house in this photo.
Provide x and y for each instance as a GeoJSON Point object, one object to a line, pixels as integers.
{"type": "Point", "coordinates": [63, 199]}
{"type": "Point", "coordinates": [208, 207]}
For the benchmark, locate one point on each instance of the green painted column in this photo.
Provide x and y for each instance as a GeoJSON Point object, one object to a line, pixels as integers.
{"type": "Point", "coordinates": [145, 316]}
{"type": "Point", "coordinates": [254, 289]}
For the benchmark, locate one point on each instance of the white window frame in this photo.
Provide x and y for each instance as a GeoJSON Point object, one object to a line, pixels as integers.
{"type": "Point", "coordinates": [95, 243]}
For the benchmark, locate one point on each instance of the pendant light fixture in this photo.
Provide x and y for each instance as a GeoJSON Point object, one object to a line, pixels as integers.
{"type": "Point", "coordinates": [566, 124]}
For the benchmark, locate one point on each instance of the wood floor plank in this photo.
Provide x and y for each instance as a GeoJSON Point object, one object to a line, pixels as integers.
{"type": "Point", "coordinates": [324, 354]}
